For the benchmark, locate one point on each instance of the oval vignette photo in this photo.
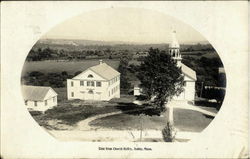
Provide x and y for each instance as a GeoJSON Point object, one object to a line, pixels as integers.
{"type": "Point", "coordinates": [121, 74]}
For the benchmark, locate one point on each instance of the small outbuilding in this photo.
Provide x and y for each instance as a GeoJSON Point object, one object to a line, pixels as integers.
{"type": "Point", "coordinates": [39, 98]}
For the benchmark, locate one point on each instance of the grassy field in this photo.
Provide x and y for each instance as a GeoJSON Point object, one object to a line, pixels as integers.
{"type": "Point", "coordinates": [185, 120]}
{"type": "Point", "coordinates": [70, 66]}
{"type": "Point", "coordinates": [69, 112]}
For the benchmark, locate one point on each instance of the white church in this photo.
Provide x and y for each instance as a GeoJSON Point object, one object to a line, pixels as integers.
{"type": "Point", "coordinates": [189, 75]}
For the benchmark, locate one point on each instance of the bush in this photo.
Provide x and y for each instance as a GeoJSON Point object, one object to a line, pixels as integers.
{"type": "Point", "coordinates": [168, 133]}
{"type": "Point", "coordinates": [35, 113]}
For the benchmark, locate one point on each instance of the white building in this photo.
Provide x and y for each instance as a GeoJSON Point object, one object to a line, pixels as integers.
{"type": "Point", "coordinates": [39, 98]}
{"type": "Point", "coordinates": [100, 82]}
{"type": "Point", "coordinates": [189, 74]}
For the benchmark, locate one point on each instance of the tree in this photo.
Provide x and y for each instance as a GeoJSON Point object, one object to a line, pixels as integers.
{"type": "Point", "coordinates": [123, 69]}
{"type": "Point", "coordinates": [160, 78]}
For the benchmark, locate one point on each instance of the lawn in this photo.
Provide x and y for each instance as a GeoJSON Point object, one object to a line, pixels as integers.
{"type": "Point", "coordinates": [70, 66]}
{"type": "Point", "coordinates": [131, 122]}
{"type": "Point", "coordinates": [69, 112]}
{"type": "Point", "coordinates": [184, 120]}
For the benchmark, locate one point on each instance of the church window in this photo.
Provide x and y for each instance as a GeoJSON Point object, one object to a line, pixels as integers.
{"type": "Point", "coordinates": [81, 83]}
{"type": "Point", "coordinates": [72, 83]}
{"type": "Point", "coordinates": [90, 76]}
{"type": "Point", "coordinates": [184, 83]}
{"type": "Point", "coordinates": [98, 84]}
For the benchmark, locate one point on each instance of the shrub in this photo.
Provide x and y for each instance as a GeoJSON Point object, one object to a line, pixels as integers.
{"type": "Point", "coordinates": [168, 133]}
{"type": "Point", "coordinates": [34, 113]}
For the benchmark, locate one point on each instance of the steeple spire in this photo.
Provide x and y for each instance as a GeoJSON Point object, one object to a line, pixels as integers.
{"type": "Point", "coordinates": [174, 49]}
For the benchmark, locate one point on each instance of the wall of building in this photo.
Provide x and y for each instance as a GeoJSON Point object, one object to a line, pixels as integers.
{"type": "Point", "coordinates": [108, 90]}
{"type": "Point", "coordinates": [114, 88]}
{"type": "Point", "coordinates": [41, 105]}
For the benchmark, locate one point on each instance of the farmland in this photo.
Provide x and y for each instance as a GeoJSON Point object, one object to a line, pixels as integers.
{"type": "Point", "coordinates": [58, 66]}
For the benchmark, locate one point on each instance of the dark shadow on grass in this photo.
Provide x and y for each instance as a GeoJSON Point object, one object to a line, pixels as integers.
{"type": "Point", "coordinates": [133, 109]}
{"type": "Point", "coordinates": [205, 103]}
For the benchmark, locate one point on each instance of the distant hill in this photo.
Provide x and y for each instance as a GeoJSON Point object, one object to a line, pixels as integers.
{"type": "Point", "coordinates": [78, 42]}
{"type": "Point", "coordinates": [79, 45]}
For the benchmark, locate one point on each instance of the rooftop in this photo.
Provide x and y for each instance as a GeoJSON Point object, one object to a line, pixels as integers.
{"type": "Point", "coordinates": [104, 70]}
{"type": "Point", "coordinates": [188, 71]}
{"type": "Point", "coordinates": [35, 93]}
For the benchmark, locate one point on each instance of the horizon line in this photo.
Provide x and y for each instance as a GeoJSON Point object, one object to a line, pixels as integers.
{"type": "Point", "coordinates": [125, 42]}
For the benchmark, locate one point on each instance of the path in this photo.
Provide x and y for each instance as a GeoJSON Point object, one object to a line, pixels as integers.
{"type": "Point", "coordinates": [84, 132]}
{"type": "Point", "coordinates": [185, 105]}
{"type": "Point", "coordinates": [84, 124]}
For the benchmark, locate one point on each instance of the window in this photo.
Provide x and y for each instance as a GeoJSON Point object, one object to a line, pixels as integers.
{"type": "Point", "coordinates": [46, 102]}
{"type": "Point", "coordinates": [90, 76]}
{"type": "Point", "coordinates": [98, 84]}
{"type": "Point", "coordinates": [92, 83]}
{"type": "Point", "coordinates": [184, 83]}
{"type": "Point", "coordinates": [81, 83]}
{"type": "Point", "coordinates": [72, 84]}
{"type": "Point", "coordinates": [26, 102]}
{"type": "Point", "coordinates": [88, 83]}
{"type": "Point", "coordinates": [35, 103]}
{"type": "Point", "coordinates": [72, 94]}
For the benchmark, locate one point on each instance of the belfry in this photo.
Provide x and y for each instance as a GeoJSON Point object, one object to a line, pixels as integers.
{"type": "Point", "coordinates": [174, 49]}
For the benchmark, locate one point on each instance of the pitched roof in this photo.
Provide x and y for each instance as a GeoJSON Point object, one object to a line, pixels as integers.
{"type": "Point", "coordinates": [35, 93]}
{"type": "Point", "coordinates": [104, 70]}
{"type": "Point", "coordinates": [188, 71]}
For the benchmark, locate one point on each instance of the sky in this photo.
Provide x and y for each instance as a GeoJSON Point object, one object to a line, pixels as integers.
{"type": "Point", "coordinates": [126, 25]}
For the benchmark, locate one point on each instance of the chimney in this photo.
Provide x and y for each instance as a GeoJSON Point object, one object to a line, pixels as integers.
{"type": "Point", "coordinates": [100, 61]}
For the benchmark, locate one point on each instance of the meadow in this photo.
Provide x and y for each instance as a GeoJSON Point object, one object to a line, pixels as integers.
{"type": "Point", "coordinates": [59, 66]}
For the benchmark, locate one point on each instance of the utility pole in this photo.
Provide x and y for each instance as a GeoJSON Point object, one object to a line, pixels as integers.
{"type": "Point", "coordinates": [201, 89]}
{"type": "Point", "coordinates": [141, 127]}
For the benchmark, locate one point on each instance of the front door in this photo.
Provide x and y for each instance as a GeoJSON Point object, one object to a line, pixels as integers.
{"type": "Point", "coordinates": [89, 95]}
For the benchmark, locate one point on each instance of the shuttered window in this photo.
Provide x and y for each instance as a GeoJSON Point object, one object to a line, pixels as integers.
{"type": "Point", "coordinates": [98, 84]}
{"type": "Point", "coordinates": [81, 83]}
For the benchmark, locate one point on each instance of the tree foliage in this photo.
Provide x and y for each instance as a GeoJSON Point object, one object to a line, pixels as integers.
{"type": "Point", "coordinates": [123, 69]}
{"type": "Point", "coordinates": [160, 77]}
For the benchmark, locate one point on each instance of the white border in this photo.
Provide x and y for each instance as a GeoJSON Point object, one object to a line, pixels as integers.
{"type": "Point", "coordinates": [223, 24]}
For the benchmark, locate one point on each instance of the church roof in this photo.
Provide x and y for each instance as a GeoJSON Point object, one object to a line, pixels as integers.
{"type": "Point", "coordinates": [103, 70]}
{"type": "Point", "coordinates": [188, 71]}
{"type": "Point", "coordinates": [35, 93]}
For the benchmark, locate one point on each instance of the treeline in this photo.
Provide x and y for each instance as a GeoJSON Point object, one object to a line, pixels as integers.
{"type": "Point", "coordinates": [207, 71]}
{"type": "Point", "coordinates": [54, 54]}
{"type": "Point", "coordinates": [55, 80]}
{"type": "Point", "coordinates": [197, 47]}
{"type": "Point", "coordinates": [42, 51]}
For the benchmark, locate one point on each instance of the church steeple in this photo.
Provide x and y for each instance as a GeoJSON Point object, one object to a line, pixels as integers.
{"type": "Point", "coordinates": [174, 49]}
